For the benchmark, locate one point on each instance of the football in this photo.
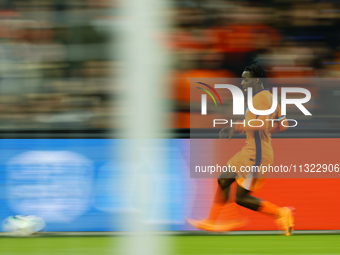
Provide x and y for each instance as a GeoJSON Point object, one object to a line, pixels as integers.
{"type": "Point", "coordinates": [20, 225]}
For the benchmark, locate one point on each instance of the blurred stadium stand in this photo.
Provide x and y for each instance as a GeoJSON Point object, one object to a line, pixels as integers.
{"type": "Point", "coordinates": [56, 66]}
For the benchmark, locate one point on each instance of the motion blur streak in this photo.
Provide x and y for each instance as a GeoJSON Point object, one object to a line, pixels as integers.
{"type": "Point", "coordinates": [143, 73]}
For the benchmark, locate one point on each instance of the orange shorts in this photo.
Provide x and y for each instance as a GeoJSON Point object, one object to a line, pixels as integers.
{"type": "Point", "coordinates": [248, 177]}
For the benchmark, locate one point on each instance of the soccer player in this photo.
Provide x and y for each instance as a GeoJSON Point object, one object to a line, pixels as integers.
{"type": "Point", "coordinates": [257, 151]}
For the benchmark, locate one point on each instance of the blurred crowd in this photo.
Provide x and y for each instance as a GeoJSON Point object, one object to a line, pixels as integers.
{"type": "Point", "coordinates": [56, 67]}
{"type": "Point", "coordinates": [289, 39]}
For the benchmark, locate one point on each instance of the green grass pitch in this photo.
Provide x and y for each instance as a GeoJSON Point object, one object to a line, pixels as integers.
{"type": "Point", "coordinates": [193, 245]}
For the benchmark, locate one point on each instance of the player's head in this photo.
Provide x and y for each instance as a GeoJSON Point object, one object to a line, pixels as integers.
{"type": "Point", "coordinates": [253, 76]}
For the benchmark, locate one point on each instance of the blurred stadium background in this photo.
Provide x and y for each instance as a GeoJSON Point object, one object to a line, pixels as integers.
{"type": "Point", "coordinates": [66, 108]}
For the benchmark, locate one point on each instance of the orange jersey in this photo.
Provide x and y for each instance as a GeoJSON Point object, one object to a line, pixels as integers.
{"type": "Point", "coordinates": [258, 147]}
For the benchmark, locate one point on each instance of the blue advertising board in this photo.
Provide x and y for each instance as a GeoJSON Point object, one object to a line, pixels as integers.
{"type": "Point", "coordinates": [76, 184]}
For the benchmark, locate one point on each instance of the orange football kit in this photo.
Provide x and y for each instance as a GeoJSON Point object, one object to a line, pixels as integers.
{"type": "Point", "coordinates": [258, 149]}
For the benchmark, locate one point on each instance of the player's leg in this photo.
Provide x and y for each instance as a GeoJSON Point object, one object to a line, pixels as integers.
{"type": "Point", "coordinates": [284, 215]}
{"type": "Point", "coordinates": [227, 222]}
{"type": "Point", "coordinates": [224, 182]}
{"type": "Point", "coordinates": [243, 198]}
{"type": "Point", "coordinates": [222, 194]}
{"type": "Point", "coordinates": [221, 197]}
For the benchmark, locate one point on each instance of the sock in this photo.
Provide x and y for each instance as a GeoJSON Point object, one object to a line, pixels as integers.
{"type": "Point", "coordinates": [269, 209]}
{"type": "Point", "coordinates": [218, 204]}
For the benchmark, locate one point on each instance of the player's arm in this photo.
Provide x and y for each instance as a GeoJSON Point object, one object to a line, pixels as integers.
{"type": "Point", "coordinates": [256, 122]}
{"type": "Point", "coordinates": [227, 130]}
{"type": "Point", "coordinates": [277, 123]}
